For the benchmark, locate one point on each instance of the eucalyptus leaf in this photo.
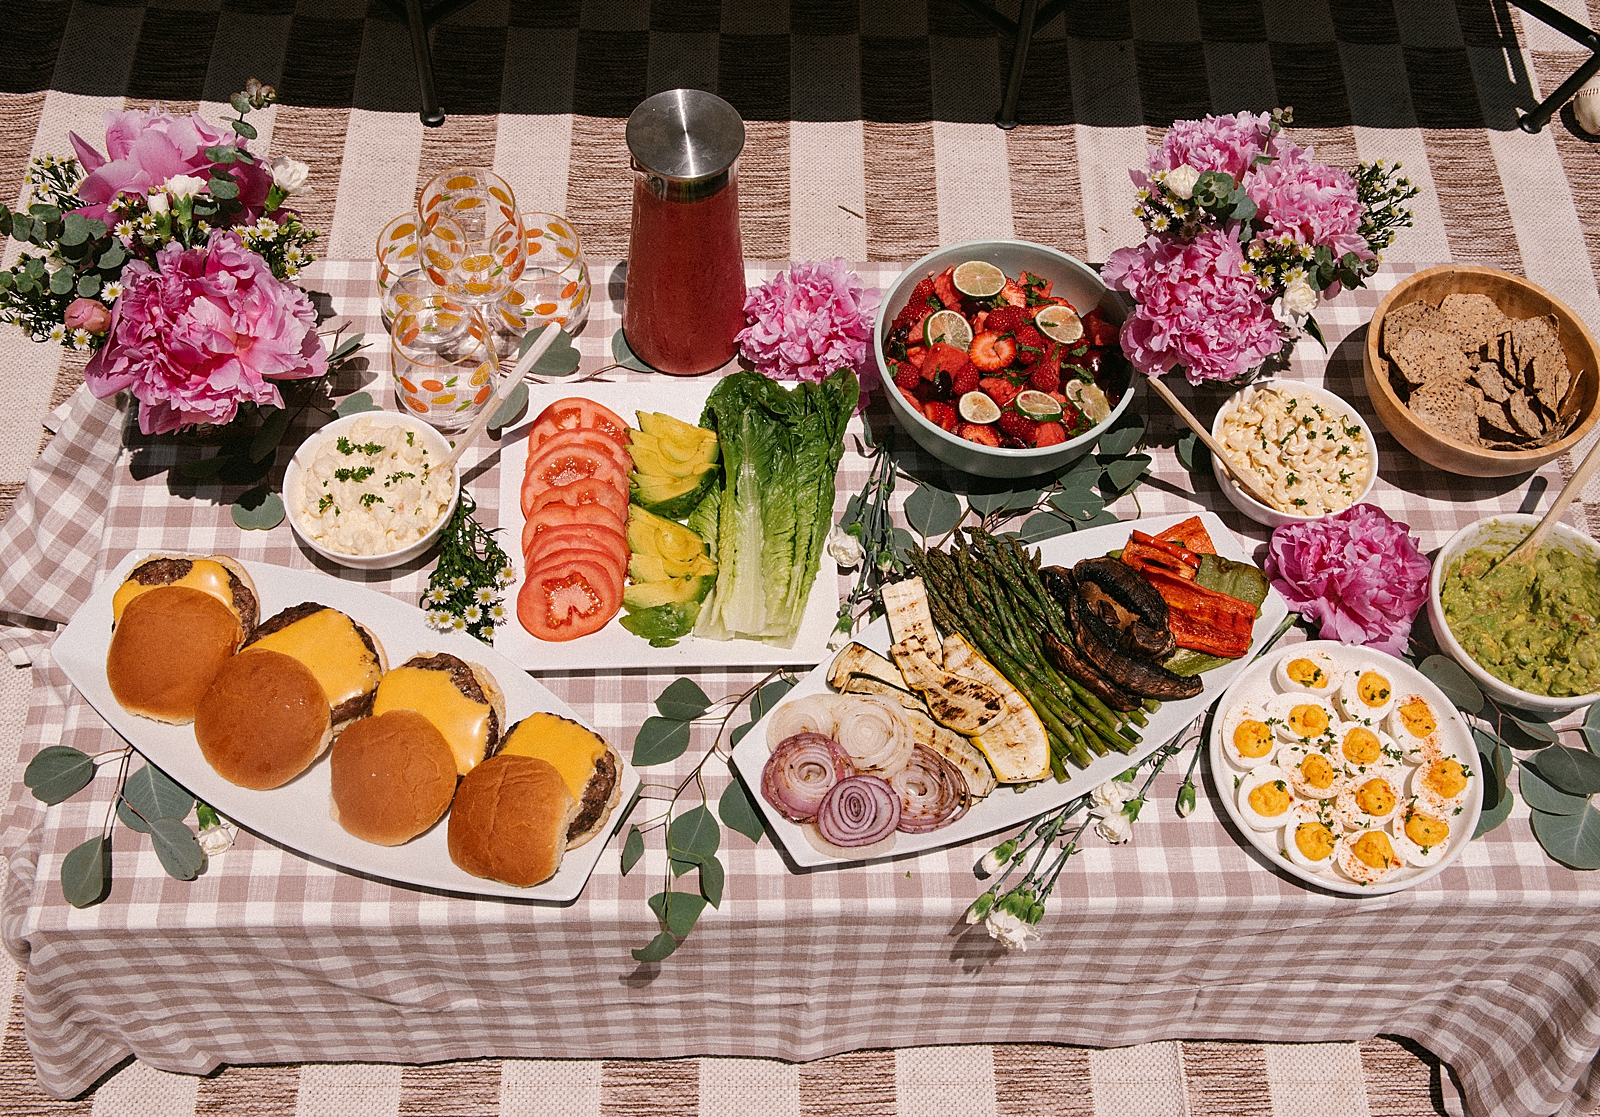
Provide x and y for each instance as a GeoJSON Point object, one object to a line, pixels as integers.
{"type": "Point", "coordinates": [738, 812]}
{"type": "Point", "coordinates": [660, 740]}
{"type": "Point", "coordinates": [1490, 819]}
{"type": "Point", "coordinates": [346, 347]}
{"type": "Point", "coordinates": [1024, 501]}
{"type": "Point", "coordinates": [148, 795]}
{"type": "Point", "coordinates": [1193, 454]}
{"type": "Point", "coordinates": [1100, 518]}
{"type": "Point", "coordinates": [903, 542]}
{"type": "Point", "coordinates": [1572, 839]}
{"type": "Point", "coordinates": [763, 700]}
{"type": "Point", "coordinates": [75, 229]}
{"type": "Point", "coordinates": [683, 699]}
{"type": "Point", "coordinates": [260, 509]}
{"type": "Point", "coordinates": [1123, 437]}
{"type": "Point", "coordinates": [1591, 729]}
{"type": "Point", "coordinates": [1457, 685]}
{"type": "Point", "coordinates": [711, 879]}
{"type": "Point", "coordinates": [632, 849]}
{"type": "Point", "coordinates": [1525, 737]}
{"type": "Point", "coordinates": [355, 403]}
{"type": "Point", "coordinates": [1045, 525]}
{"type": "Point", "coordinates": [622, 355]}
{"type": "Point", "coordinates": [175, 845]}
{"type": "Point", "coordinates": [223, 188]}
{"type": "Point", "coordinates": [86, 872]}
{"type": "Point", "coordinates": [736, 734]}
{"type": "Point", "coordinates": [88, 285]}
{"type": "Point", "coordinates": [274, 423]}
{"type": "Point", "coordinates": [58, 773]}
{"type": "Point", "coordinates": [1574, 771]}
{"type": "Point", "coordinates": [678, 910]}
{"type": "Point", "coordinates": [685, 863]}
{"type": "Point", "coordinates": [986, 504]}
{"type": "Point", "coordinates": [511, 408]}
{"type": "Point", "coordinates": [244, 128]}
{"type": "Point", "coordinates": [1542, 797]}
{"type": "Point", "coordinates": [931, 512]}
{"type": "Point", "coordinates": [694, 831]}
{"type": "Point", "coordinates": [561, 359]}
{"type": "Point", "coordinates": [62, 280]}
{"type": "Point", "coordinates": [1495, 757]}
{"type": "Point", "coordinates": [1080, 504]}
{"type": "Point", "coordinates": [1124, 473]}
{"type": "Point", "coordinates": [660, 947]}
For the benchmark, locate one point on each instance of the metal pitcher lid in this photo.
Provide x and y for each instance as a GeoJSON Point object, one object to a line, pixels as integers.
{"type": "Point", "coordinates": [685, 134]}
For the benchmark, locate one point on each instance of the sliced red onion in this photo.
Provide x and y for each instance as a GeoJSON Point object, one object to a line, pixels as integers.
{"type": "Point", "coordinates": [800, 771]}
{"type": "Point", "coordinates": [933, 792]}
{"type": "Point", "coordinates": [858, 811]}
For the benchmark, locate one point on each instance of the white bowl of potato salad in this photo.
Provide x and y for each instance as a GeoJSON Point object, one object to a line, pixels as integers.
{"type": "Point", "coordinates": [365, 491]}
{"type": "Point", "coordinates": [1311, 451]}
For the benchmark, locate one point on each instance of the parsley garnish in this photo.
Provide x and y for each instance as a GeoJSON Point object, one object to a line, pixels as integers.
{"type": "Point", "coordinates": [324, 504]}
{"type": "Point", "coordinates": [369, 499]}
{"type": "Point", "coordinates": [360, 473]}
{"type": "Point", "coordinates": [345, 446]}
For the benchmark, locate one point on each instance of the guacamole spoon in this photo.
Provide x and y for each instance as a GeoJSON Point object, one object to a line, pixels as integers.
{"type": "Point", "coordinates": [1525, 551]}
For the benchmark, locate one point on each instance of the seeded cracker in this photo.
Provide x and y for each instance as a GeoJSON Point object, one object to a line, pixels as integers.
{"type": "Point", "coordinates": [1488, 376]}
{"type": "Point", "coordinates": [1551, 378]}
{"type": "Point", "coordinates": [1449, 404]}
{"type": "Point", "coordinates": [1404, 318]}
{"type": "Point", "coordinates": [1425, 354]}
{"type": "Point", "coordinates": [1498, 421]}
{"type": "Point", "coordinates": [1472, 318]}
{"type": "Point", "coordinates": [1524, 416]}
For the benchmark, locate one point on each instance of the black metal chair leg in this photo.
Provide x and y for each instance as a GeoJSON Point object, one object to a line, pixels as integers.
{"type": "Point", "coordinates": [1585, 37]}
{"type": "Point", "coordinates": [432, 116]}
{"type": "Point", "coordinates": [1019, 60]}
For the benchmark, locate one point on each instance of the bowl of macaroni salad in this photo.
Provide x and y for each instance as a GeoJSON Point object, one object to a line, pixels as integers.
{"type": "Point", "coordinates": [1312, 452]}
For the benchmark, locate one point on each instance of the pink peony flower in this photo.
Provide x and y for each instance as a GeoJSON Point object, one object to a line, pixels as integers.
{"type": "Point", "coordinates": [1217, 143]}
{"type": "Point", "coordinates": [89, 315]}
{"type": "Point", "coordinates": [202, 332]}
{"type": "Point", "coordinates": [1359, 573]}
{"type": "Point", "coordinates": [1314, 203]}
{"type": "Point", "coordinates": [1195, 307]}
{"type": "Point", "coordinates": [810, 321]}
{"type": "Point", "coordinates": [147, 147]}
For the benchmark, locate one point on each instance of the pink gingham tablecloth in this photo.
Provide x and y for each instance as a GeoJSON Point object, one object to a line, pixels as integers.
{"type": "Point", "coordinates": [1185, 933]}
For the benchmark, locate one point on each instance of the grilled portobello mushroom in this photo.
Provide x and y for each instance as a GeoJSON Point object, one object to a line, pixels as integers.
{"type": "Point", "coordinates": [1066, 659]}
{"type": "Point", "coordinates": [1098, 642]}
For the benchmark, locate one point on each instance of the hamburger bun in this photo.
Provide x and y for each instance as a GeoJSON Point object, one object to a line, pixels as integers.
{"type": "Point", "coordinates": [393, 777]}
{"type": "Point", "coordinates": [588, 763]}
{"type": "Point", "coordinates": [344, 655]}
{"type": "Point", "coordinates": [510, 820]}
{"type": "Point", "coordinates": [222, 577]}
{"type": "Point", "coordinates": [263, 720]}
{"type": "Point", "coordinates": [462, 699]}
{"type": "Point", "coordinates": [167, 649]}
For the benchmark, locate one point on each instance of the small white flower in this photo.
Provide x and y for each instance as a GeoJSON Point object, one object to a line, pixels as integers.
{"type": "Point", "coordinates": [157, 202]}
{"type": "Point", "coordinates": [1108, 799]}
{"type": "Point", "coordinates": [459, 582]}
{"type": "Point", "coordinates": [497, 612]}
{"type": "Point", "coordinates": [488, 632]}
{"type": "Point", "coordinates": [472, 614]}
{"type": "Point", "coordinates": [58, 333]}
{"type": "Point", "coordinates": [991, 863]}
{"type": "Point", "coordinates": [1180, 181]}
{"type": "Point", "coordinates": [441, 620]}
{"type": "Point", "coordinates": [80, 338]}
{"type": "Point", "coordinates": [111, 292]}
{"type": "Point", "coordinates": [844, 548]}
{"type": "Point", "coordinates": [506, 576]}
{"type": "Point", "coordinates": [1160, 223]}
{"type": "Point", "coordinates": [484, 595]}
{"type": "Point", "coordinates": [289, 175]}
{"type": "Point", "coordinates": [123, 229]}
{"type": "Point", "coordinates": [216, 840]}
{"type": "Point", "coordinates": [184, 186]}
{"type": "Point", "coordinates": [1008, 929]}
{"type": "Point", "coordinates": [1116, 828]}
{"type": "Point", "coordinates": [458, 624]}
{"type": "Point", "coordinates": [437, 597]}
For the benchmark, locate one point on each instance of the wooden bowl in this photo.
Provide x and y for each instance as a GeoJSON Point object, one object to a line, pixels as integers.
{"type": "Point", "coordinates": [1517, 298]}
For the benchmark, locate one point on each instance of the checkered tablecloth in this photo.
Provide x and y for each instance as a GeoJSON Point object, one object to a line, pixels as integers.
{"type": "Point", "coordinates": [270, 957]}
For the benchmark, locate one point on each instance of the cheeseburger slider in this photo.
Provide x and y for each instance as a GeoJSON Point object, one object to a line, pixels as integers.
{"type": "Point", "coordinates": [342, 653]}
{"type": "Point", "coordinates": [510, 820]}
{"type": "Point", "coordinates": [590, 767]}
{"type": "Point", "coordinates": [462, 700]}
{"type": "Point", "coordinates": [393, 777]}
{"type": "Point", "coordinates": [176, 620]}
{"type": "Point", "coordinates": [263, 720]}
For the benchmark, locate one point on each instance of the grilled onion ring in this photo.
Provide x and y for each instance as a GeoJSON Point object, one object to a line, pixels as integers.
{"type": "Point", "coordinates": [800, 772]}
{"type": "Point", "coordinates": [933, 792]}
{"type": "Point", "coordinates": [858, 811]}
{"type": "Point", "coordinates": [874, 734]}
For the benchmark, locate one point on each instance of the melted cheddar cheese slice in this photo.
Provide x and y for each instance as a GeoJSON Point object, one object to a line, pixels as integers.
{"type": "Point", "coordinates": [204, 575]}
{"type": "Point", "coordinates": [463, 723]}
{"type": "Point", "coordinates": [572, 749]}
{"type": "Point", "coordinates": [328, 643]}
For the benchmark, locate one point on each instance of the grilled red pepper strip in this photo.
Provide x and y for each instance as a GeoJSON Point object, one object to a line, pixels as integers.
{"type": "Point", "coordinates": [1190, 534]}
{"type": "Point", "coordinates": [1176, 550]}
{"type": "Point", "coordinates": [1205, 620]}
{"type": "Point", "coordinates": [1147, 559]}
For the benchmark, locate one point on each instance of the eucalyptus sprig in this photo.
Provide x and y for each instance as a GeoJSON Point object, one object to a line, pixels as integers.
{"type": "Point", "coordinates": [466, 591]}
{"type": "Point", "coordinates": [867, 537]}
{"type": "Point", "coordinates": [693, 836]}
{"type": "Point", "coordinates": [146, 802]}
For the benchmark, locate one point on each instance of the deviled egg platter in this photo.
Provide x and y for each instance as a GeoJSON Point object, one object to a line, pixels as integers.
{"type": "Point", "coordinates": [1348, 765]}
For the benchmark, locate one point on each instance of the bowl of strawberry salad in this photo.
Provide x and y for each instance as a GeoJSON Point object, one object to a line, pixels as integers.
{"type": "Point", "coordinates": [1000, 357]}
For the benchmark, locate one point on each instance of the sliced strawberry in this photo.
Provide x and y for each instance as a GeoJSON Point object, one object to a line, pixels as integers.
{"type": "Point", "coordinates": [1049, 434]}
{"type": "Point", "coordinates": [981, 433]}
{"type": "Point", "coordinates": [966, 380]}
{"type": "Point", "coordinates": [1014, 424]}
{"type": "Point", "coordinates": [1030, 346]}
{"type": "Point", "coordinates": [991, 351]}
{"type": "Point", "coordinates": [1007, 319]}
{"type": "Point", "coordinates": [941, 415]}
{"type": "Point", "coordinates": [1014, 294]}
{"type": "Point", "coordinates": [999, 389]}
{"type": "Point", "coordinates": [944, 285]}
{"type": "Point", "coordinates": [1046, 375]}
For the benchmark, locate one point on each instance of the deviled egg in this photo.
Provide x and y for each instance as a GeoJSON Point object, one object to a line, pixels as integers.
{"type": "Point", "coordinates": [1412, 723]}
{"type": "Point", "coordinates": [1370, 799]}
{"type": "Point", "coordinates": [1265, 801]}
{"type": "Point", "coordinates": [1307, 673]}
{"type": "Point", "coordinates": [1367, 694]}
{"type": "Point", "coordinates": [1421, 834]}
{"type": "Point", "coordinates": [1247, 736]}
{"type": "Point", "coordinates": [1313, 773]}
{"type": "Point", "coordinates": [1367, 856]}
{"type": "Point", "coordinates": [1301, 718]}
{"type": "Point", "coordinates": [1308, 841]}
{"type": "Point", "coordinates": [1360, 749]}
{"type": "Point", "coordinates": [1441, 782]}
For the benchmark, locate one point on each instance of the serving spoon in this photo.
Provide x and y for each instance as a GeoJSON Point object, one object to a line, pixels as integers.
{"type": "Point", "coordinates": [1249, 484]}
{"type": "Point", "coordinates": [507, 384]}
{"type": "Point", "coordinates": [1528, 549]}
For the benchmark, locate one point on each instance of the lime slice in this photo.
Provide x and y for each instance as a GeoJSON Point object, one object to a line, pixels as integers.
{"type": "Point", "coordinates": [979, 279]}
{"type": "Point", "coordinates": [977, 407]}
{"type": "Point", "coordinates": [1089, 398]}
{"type": "Point", "coordinates": [1038, 406]}
{"type": "Point", "coordinates": [949, 327]}
{"type": "Point", "coordinates": [1060, 323]}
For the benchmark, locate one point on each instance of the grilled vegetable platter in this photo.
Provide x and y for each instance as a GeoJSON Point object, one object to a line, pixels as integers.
{"type": "Point", "coordinates": [1004, 681]}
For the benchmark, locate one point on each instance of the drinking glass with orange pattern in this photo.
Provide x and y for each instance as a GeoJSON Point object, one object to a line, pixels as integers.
{"type": "Point", "coordinates": [473, 245]}
{"type": "Point", "coordinates": [443, 360]}
{"type": "Point", "coordinates": [399, 258]}
{"type": "Point", "coordinates": [555, 283]}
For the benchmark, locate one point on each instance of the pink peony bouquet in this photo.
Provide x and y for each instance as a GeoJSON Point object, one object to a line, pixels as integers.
{"type": "Point", "coordinates": [1245, 234]}
{"type": "Point", "coordinates": [203, 331]}
{"type": "Point", "coordinates": [1358, 572]}
{"type": "Point", "coordinates": [809, 321]}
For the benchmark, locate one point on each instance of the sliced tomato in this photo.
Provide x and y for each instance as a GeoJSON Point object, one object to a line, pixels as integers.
{"type": "Point", "coordinates": [584, 438]}
{"type": "Point", "coordinates": [562, 465]}
{"type": "Point", "coordinates": [576, 413]}
{"type": "Point", "coordinates": [557, 514]}
{"type": "Point", "coordinates": [586, 491]}
{"type": "Point", "coordinates": [568, 598]}
{"type": "Point", "coordinates": [615, 565]}
{"type": "Point", "coordinates": [591, 536]}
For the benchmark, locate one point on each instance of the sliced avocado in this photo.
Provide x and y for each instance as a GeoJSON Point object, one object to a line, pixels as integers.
{"type": "Point", "coordinates": [663, 625]}
{"type": "Point", "coordinates": [672, 591]}
{"type": "Point", "coordinates": [649, 457]}
{"type": "Point", "coordinates": [654, 535]}
{"type": "Point", "coordinates": [679, 441]}
{"type": "Point", "coordinates": [654, 568]}
{"type": "Point", "coordinates": [670, 497]}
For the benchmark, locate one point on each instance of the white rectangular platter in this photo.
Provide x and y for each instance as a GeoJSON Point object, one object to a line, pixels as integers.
{"type": "Point", "coordinates": [614, 646]}
{"type": "Point", "coordinates": [1005, 808]}
{"type": "Point", "coordinates": [296, 815]}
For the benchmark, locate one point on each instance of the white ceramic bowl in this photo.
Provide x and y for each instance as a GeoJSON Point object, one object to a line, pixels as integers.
{"type": "Point", "coordinates": [1252, 507]}
{"type": "Point", "coordinates": [1512, 525]}
{"type": "Point", "coordinates": [313, 445]}
{"type": "Point", "coordinates": [1073, 280]}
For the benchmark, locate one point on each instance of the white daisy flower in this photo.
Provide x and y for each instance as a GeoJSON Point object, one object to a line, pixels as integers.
{"type": "Point", "coordinates": [80, 337]}
{"type": "Point", "coordinates": [484, 595]}
{"type": "Point", "coordinates": [123, 229]}
{"type": "Point", "coordinates": [58, 333]}
{"type": "Point", "coordinates": [473, 614]}
{"type": "Point", "coordinates": [497, 612]}
{"type": "Point", "coordinates": [488, 632]}
{"type": "Point", "coordinates": [458, 624]}
{"type": "Point", "coordinates": [507, 576]}
{"type": "Point", "coordinates": [111, 292]}
{"type": "Point", "coordinates": [458, 582]}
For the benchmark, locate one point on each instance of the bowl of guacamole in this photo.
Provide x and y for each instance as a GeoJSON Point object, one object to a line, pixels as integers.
{"type": "Point", "coordinates": [1528, 634]}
